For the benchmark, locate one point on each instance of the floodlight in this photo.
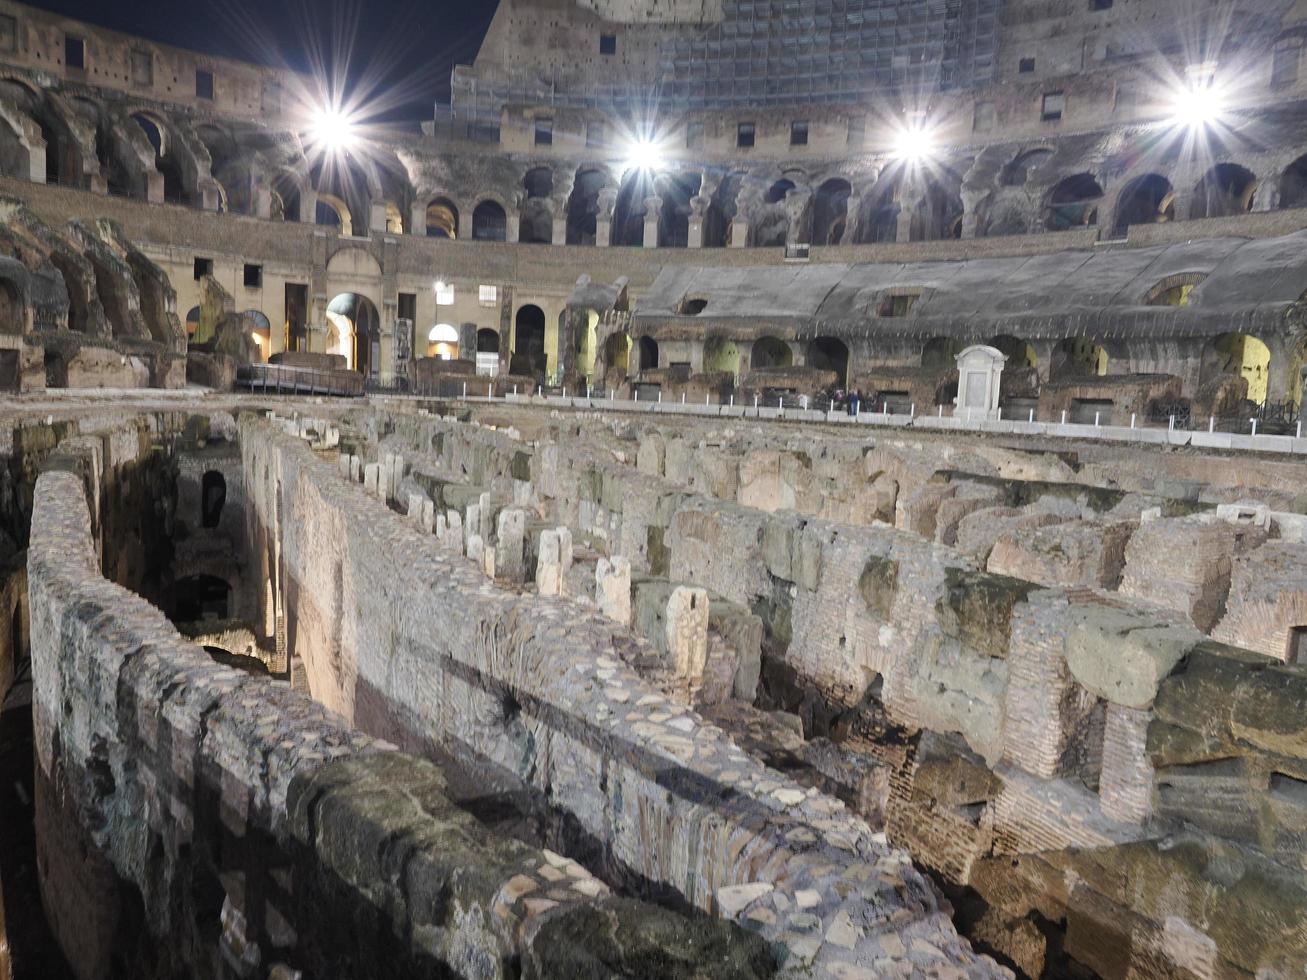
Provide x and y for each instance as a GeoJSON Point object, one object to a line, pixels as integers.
{"type": "Point", "coordinates": [333, 129]}
{"type": "Point", "coordinates": [643, 154]}
{"type": "Point", "coordinates": [1199, 102]}
{"type": "Point", "coordinates": [915, 142]}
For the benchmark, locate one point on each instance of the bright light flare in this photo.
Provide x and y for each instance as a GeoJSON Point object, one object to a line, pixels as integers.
{"type": "Point", "coordinates": [1198, 103]}
{"type": "Point", "coordinates": [333, 129]}
{"type": "Point", "coordinates": [915, 143]}
{"type": "Point", "coordinates": [643, 155]}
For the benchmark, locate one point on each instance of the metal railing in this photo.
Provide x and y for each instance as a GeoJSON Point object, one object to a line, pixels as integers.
{"type": "Point", "coordinates": [281, 379]}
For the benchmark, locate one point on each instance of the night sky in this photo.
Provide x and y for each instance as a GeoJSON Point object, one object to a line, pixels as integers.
{"type": "Point", "coordinates": [405, 48]}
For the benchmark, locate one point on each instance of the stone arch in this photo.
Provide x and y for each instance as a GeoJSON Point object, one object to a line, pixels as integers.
{"type": "Point", "coordinates": [1078, 357]}
{"type": "Point", "coordinates": [1293, 184]}
{"type": "Point", "coordinates": [941, 353]}
{"type": "Point", "coordinates": [1174, 290]}
{"type": "Point", "coordinates": [880, 221]}
{"type": "Point", "coordinates": [489, 222]}
{"type": "Point", "coordinates": [441, 218]}
{"type": "Point", "coordinates": [617, 352]}
{"type": "Point", "coordinates": [770, 352]}
{"type": "Point", "coordinates": [333, 212]}
{"type": "Point", "coordinates": [442, 342]}
{"type": "Point", "coordinates": [529, 357]}
{"type": "Point", "coordinates": [536, 216]}
{"type": "Point", "coordinates": [1225, 189]}
{"type": "Point", "coordinates": [830, 211]}
{"type": "Point", "coordinates": [720, 354]}
{"type": "Point", "coordinates": [1239, 355]}
{"type": "Point", "coordinates": [1004, 212]}
{"type": "Point", "coordinates": [13, 313]}
{"type": "Point", "coordinates": [1147, 199]}
{"type": "Point", "coordinates": [1073, 203]}
{"type": "Point", "coordinates": [830, 354]}
{"type": "Point", "coordinates": [583, 205]}
{"type": "Point", "coordinates": [288, 191]}
{"type": "Point", "coordinates": [1017, 172]}
{"type": "Point", "coordinates": [1019, 353]}
{"type": "Point", "coordinates": [778, 191]}
{"type": "Point", "coordinates": [938, 213]}
{"type": "Point", "coordinates": [353, 330]}
{"type": "Point", "coordinates": [487, 340]}
{"type": "Point", "coordinates": [17, 146]}
{"type": "Point", "coordinates": [676, 191]}
{"type": "Point", "coordinates": [648, 353]}
{"type": "Point", "coordinates": [628, 213]}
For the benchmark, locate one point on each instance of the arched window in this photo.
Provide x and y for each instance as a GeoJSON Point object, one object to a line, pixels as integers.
{"type": "Point", "coordinates": [770, 352]}
{"type": "Point", "coordinates": [830, 354]}
{"type": "Point", "coordinates": [442, 219]}
{"type": "Point", "coordinates": [489, 222]}
{"type": "Point", "coordinates": [1224, 190]}
{"type": "Point", "coordinates": [1073, 203]}
{"type": "Point", "coordinates": [1145, 200]}
{"type": "Point", "coordinates": [442, 342]}
{"type": "Point", "coordinates": [213, 495]}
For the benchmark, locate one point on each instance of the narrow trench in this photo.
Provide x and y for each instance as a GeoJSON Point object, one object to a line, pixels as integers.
{"type": "Point", "coordinates": [34, 954]}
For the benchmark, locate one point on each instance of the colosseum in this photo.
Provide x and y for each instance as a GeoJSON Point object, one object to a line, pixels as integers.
{"type": "Point", "coordinates": [741, 489]}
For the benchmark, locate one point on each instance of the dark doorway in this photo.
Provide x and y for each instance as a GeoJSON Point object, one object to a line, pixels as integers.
{"type": "Point", "coordinates": [200, 597]}
{"type": "Point", "coordinates": [213, 494]}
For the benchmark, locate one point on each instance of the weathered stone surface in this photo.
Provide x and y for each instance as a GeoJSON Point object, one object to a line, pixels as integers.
{"type": "Point", "coordinates": [1123, 656]}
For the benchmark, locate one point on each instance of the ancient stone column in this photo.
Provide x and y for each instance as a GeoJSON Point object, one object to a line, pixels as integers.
{"type": "Point", "coordinates": [604, 220]}
{"type": "Point", "coordinates": [687, 635]}
{"type": "Point", "coordinates": [370, 473]}
{"type": "Point", "coordinates": [613, 589]}
{"type": "Point", "coordinates": [698, 207]}
{"type": "Point", "coordinates": [510, 545]}
{"type": "Point", "coordinates": [739, 232]}
{"type": "Point", "coordinates": [653, 209]}
{"type": "Point", "coordinates": [549, 565]}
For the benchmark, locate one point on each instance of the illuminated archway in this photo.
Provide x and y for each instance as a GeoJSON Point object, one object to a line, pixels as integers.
{"type": "Point", "coordinates": [1079, 357]}
{"type": "Point", "coordinates": [489, 222]}
{"type": "Point", "coordinates": [720, 355]}
{"type": "Point", "coordinates": [1019, 353]}
{"type": "Point", "coordinates": [442, 342]}
{"type": "Point", "coordinates": [442, 219]}
{"type": "Point", "coordinates": [332, 211]}
{"type": "Point", "coordinates": [353, 331]}
{"type": "Point", "coordinates": [1240, 355]}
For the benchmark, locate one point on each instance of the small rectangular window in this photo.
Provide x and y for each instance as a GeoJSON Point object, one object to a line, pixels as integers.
{"type": "Point", "coordinates": [444, 294]}
{"type": "Point", "coordinates": [1054, 104]}
{"type": "Point", "coordinates": [203, 84]}
{"type": "Point", "coordinates": [74, 52]}
{"type": "Point", "coordinates": [253, 276]}
{"type": "Point", "coordinates": [8, 33]}
{"type": "Point", "coordinates": [408, 306]}
{"type": "Point", "coordinates": [608, 44]}
{"type": "Point", "coordinates": [694, 135]}
{"type": "Point", "coordinates": [1284, 66]}
{"type": "Point", "coordinates": [142, 68]}
{"type": "Point", "coordinates": [1026, 66]}
{"type": "Point", "coordinates": [1100, 4]}
{"type": "Point", "coordinates": [798, 133]}
{"type": "Point", "coordinates": [745, 134]}
{"type": "Point", "coordinates": [489, 295]}
{"type": "Point", "coordinates": [544, 132]}
{"type": "Point", "coordinates": [857, 131]}
{"type": "Point", "coordinates": [203, 267]}
{"type": "Point", "coordinates": [985, 117]}
{"type": "Point", "coordinates": [594, 133]}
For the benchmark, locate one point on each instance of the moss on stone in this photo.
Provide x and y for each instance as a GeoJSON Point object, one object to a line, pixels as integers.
{"type": "Point", "coordinates": [976, 609]}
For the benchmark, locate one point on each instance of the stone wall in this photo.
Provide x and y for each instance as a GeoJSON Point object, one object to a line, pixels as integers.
{"type": "Point", "coordinates": [1043, 693]}
{"type": "Point", "coordinates": [541, 690]}
{"type": "Point", "coordinates": [196, 821]}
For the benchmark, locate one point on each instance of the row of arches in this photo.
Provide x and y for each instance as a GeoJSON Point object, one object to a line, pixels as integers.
{"type": "Point", "coordinates": [140, 150]}
{"type": "Point", "coordinates": [1226, 355]}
